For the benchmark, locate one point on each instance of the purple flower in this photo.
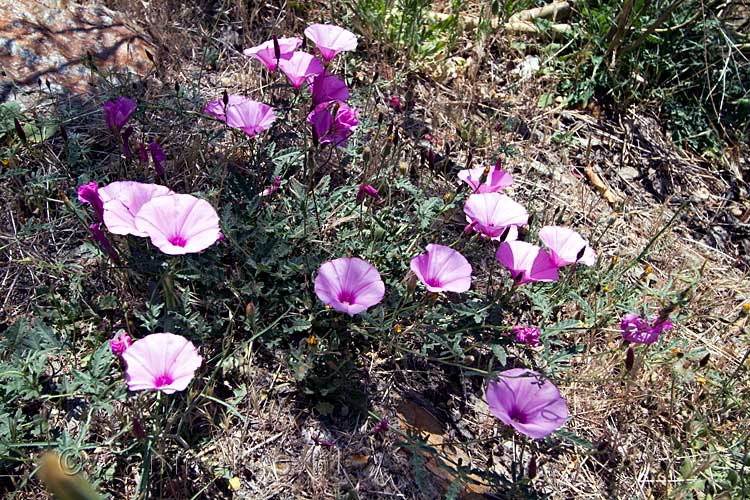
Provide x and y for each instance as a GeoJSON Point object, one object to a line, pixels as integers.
{"type": "Point", "coordinates": [492, 213]}
{"type": "Point", "coordinates": [122, 202]}
{"type": "Point", "coordinates": [349, 285]}
{"type": "Point", "coordinates": [179, 223]}
{"type": "Point", "coordinates": [366, 190]}
{"type": "Point", "coordinates": [566, 246]}
{"type": "Point", "coordinates": [217, 109]}
{"type": "Point", "coordinates": [157, 154]}
{"type": "Point", "coordinates": [274, 187]}
{"type": "Point", "coordinates": [526, 262]}
{"type": "Point", "coordinates": [532, 405]}
{"type": "Point", "coordinates": [101, 238]}
{"type": "Point", "coordinates": [126, 141]}
{"type": "Point", "coordinates": [395, 103]}
{"type": "Point", "coordinates": [496, 179]}
{"type": "Point", "coordinates": [89, 193]}
{"type": "Point", "coordinates": [330, 39]}
{"type": "Point", "coordinates": [381, 426]}
{"type": "Point", "coordinates": [333, 122]}
{"type": "Point", "coordinates": [639, 330]}
{"type": "Point", "coordinates": [265, 52]}
{"type": "Point", "coordinates": [301, 67]}
{"type": "Point", "coordinates": [120, 343]}
{"type": "Point", "coordinates": [328, 87]}
{"type": "Point", "coordinates": [526, 334]}
{"type": "Point", "coordinates": [161, 362]}
{"type": "Point", "coordinates": [442, 269]}
{"type": "Point", "coordinates": [117, 113]}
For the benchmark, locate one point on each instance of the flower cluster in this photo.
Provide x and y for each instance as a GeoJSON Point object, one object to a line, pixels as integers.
{"type": "Point", "coordinates": [175, 223]}
{"type": "Point", "coordinates": [182, 223]}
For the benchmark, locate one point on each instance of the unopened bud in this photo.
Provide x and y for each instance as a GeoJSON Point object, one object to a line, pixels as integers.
{"type": "Point", "coordinates": [250, 310]}
{"type": "Point", "coordinates": [411, 283]}
{"type": "Point", "coordinates": [532, 468]}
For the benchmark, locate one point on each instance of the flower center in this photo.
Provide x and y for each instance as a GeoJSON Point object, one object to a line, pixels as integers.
{"type": "Point", "coordinates": [163, 379]}
{"type": "Point", "coordinates": [434, 282]}
{"type": "Point", "coordinates": [178, 240]}
{"type": "Point", "coordinates": [518, 416]}
{"type": "Point", "coordinates": [346, 297]}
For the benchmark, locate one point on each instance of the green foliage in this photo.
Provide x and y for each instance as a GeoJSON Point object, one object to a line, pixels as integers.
{"type": "Point", "coordinates": [683, 55]}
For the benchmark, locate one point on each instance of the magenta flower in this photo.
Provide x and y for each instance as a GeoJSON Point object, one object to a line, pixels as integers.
{"type": "Point", "coordinates": [566, 246]}
{"type": "Point", "coordinates": [274, 187]}
{"type": "Point", "coordinates": [330, 39]}
{"type": "Point", "coordinates": [89, 194]}
{"type": "Point", "coordinates": [143, 155]}
{"type": "Point", "coordinates": [301, 67]}
{"type": "Point", "coordinates": [122, 202]}
{"type": "Point", "coordinates": [120, 343]}
{"type": "Point", "coordinates": [179, 224]}
{"type": "Point", "coordinates": [366, 190]}
{"type": "Point", "coordinates": [328, 87]}
{"type": "Point", "coordinates": [333, 122]}
{"type": "Point", "coordinates": [161, 362]}
{"type": "Point", "coordinates": [495, 180]}
{"type": "Point", "coordinates": [217, 109]}
{"type": "Point", "coordinates": [117, 113]}
{"type": "Point", "coordinates": [349, 285]}
{"type": "Point", "coordinates": [157, 154]}
{"type": "Point", "coordinates": [526, 262]}
{"type": "Point", "coordinates": [491, 213]}
{"type": "Point", "coordinates": [252, 117]}
{"type": "Point", "coordinates": [526, 334]}
{"type": "Point", "coordinates": [265, 52]}
{"type": "Point", "coordinates": [522, 399]}
{"type": "Point", "coordinates": [639, 330]}
{"type": "Point", "coordinates": [442, 269]}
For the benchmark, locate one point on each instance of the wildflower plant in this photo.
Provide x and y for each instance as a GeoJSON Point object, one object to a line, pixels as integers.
{"type": "Point", "coordinates": [305, 236]}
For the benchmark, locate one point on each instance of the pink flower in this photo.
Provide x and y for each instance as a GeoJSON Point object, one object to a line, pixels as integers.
{"type": "Point", "coordinates": [495, 180]}
{"type": "Point", "coordinates": [566, 246]}
{"type": "Point", "coordinates": [526, 262]}
{"type": "Point", "coordinates": [366, 190]}
{"type": "Point", "coordinates": [161, 362]}
{"type": "Point", "coordinates": [526, 334]}
{"type": "Point", "coordinates": [639, 330]}
{"type": "Point", "coordinates": [532, 405]}
{"type": "Point", "coordinates": [328, 87]}
{"type": "Point", "coordinates": [265, 52]}
{"type": "Point", "coordinates": [89, 194]}
{"type": "Point", "coordinates": [120, 343]}
{"type": "Point", "coordinates": [275, 187]}
{"type": "Point", "coordinates": [217, 109]}
{"type": "Point", "coordinates": [330, 39]}
{"type": "Point", "coordinates": [101, 238]}
{"type": "Point", "coordinates": [491, 213]}
{"type": "Point", "coordinates": [117, 113]}
{"type": "Point", "coordinates": [333, 122]}
{"type": "Point", "coordinates": [252, 117]}
{"type": "Point", "coordinates": [179, 224]}
{"type": "Point", "coordinates": [122, 202]}
{"type": "Point", "coordinates": [442, 269]}
{"type": "Point", "coordinates": [157, 154]}
{"type": "Point", "coordinates": [301, 67]}
{"type": "Point", "coordinates": [349, 285]}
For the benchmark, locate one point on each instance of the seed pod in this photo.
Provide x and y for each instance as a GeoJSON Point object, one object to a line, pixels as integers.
{"type": "Point", "coordinates": [532, 468]}
{"type": "Point", "coordinates": [19, 130]}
